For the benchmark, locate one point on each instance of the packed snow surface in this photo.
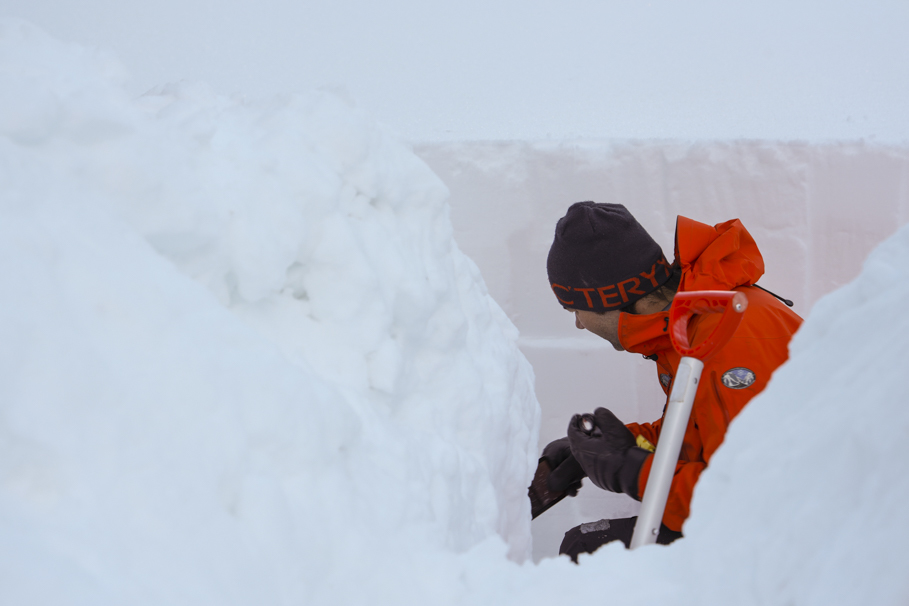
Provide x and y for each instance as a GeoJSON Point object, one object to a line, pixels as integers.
{"type": "Point", "coordinates": [242, 361]}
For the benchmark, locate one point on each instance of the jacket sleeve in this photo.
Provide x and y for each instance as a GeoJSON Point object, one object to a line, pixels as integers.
{"type": "Point", "coordinates": [678, 503]}
{"type": "Point", "coordinates": [649, 431]}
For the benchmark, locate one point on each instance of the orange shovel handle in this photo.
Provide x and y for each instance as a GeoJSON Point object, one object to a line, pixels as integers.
{"type": "Point", "coordinates": [686, 304]}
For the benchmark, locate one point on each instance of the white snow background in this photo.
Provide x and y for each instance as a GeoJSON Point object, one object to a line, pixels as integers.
{"type": "Point", "coordinates": [242, 361]}
{"type": "Point", "coordinates": [437, 70]}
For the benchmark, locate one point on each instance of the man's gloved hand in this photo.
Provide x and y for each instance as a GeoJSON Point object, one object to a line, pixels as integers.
{"type": "Point", "coordinates": [608, 453]}
{"type": "Point", "coordinates": [566, 473]}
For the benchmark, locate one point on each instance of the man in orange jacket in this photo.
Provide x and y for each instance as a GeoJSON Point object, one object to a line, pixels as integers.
{"type": "Point", "coordinates": [607, 269]}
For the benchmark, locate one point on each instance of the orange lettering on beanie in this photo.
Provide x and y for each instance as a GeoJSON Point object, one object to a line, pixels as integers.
{"type": "Point", "coordinates": [665, 265]}
{"type": "Point", "coordinates": [605, 297]}
{"type": "Point", "coordinates": [651, 276]}
{"type": "Point", "coordinates": [554, 287]}
{"type": "Point", "coordinates": [587, 292]}
{"type": "Point", "coordinates": [633, 290]}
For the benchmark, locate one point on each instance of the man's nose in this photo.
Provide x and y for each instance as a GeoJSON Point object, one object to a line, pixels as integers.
{"type": "Point", "coordinates": [577, 322]}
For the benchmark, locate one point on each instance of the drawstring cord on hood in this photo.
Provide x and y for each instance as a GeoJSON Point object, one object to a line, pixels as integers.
{"type": "Point", "coordinates": [786, 301]}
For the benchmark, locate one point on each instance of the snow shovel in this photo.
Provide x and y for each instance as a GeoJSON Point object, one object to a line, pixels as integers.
{"type": "Point", "coordinates": [681, 398]}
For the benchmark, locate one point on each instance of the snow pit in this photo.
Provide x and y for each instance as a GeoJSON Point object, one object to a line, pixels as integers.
{"type": "Point", "coordinates": [243, 362]}
{"type": "Point", "coordinates": [815, 210]}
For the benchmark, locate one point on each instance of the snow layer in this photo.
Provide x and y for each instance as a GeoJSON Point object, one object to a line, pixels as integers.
{"type": "Point", "coordinates": [243, 362]}
{"type": "Point", "coordinates": [241, 352]}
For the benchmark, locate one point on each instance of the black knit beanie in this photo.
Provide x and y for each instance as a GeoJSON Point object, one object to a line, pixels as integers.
{"type": "Point", "coordinates": [602, 259]}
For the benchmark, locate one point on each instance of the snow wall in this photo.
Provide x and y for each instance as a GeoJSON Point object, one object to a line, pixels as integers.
{"type": "Point", "coordinates": [240, 348]}
{"type": "Point", "coordinates": [816, 211]}
{"type": "Point", "coordinates": [244, 362]}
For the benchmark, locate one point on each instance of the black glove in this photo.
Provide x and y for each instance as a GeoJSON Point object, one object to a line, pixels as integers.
{"type": "Point", "coordinates": [608, 453]}
{"type": "Point", "coordinates": [566, 473]}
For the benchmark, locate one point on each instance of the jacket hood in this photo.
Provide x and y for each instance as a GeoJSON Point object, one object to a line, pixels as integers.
{"type": "Point", "coordinates": [720, 257]}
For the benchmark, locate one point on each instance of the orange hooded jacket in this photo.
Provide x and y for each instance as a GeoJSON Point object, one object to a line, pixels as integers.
{"type": "Point", "coordinates": [722, 257]}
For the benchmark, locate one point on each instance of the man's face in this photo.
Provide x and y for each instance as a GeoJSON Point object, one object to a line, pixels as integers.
{"type": "Point", "coordinates": [605, 325]}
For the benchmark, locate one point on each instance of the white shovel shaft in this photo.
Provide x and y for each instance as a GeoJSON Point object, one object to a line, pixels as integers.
{"type": "Point", "coordinates": [672, 433]}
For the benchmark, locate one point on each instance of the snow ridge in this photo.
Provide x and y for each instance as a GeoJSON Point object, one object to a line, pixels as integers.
{"type": "Point", "coordinates": [241, 351]}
